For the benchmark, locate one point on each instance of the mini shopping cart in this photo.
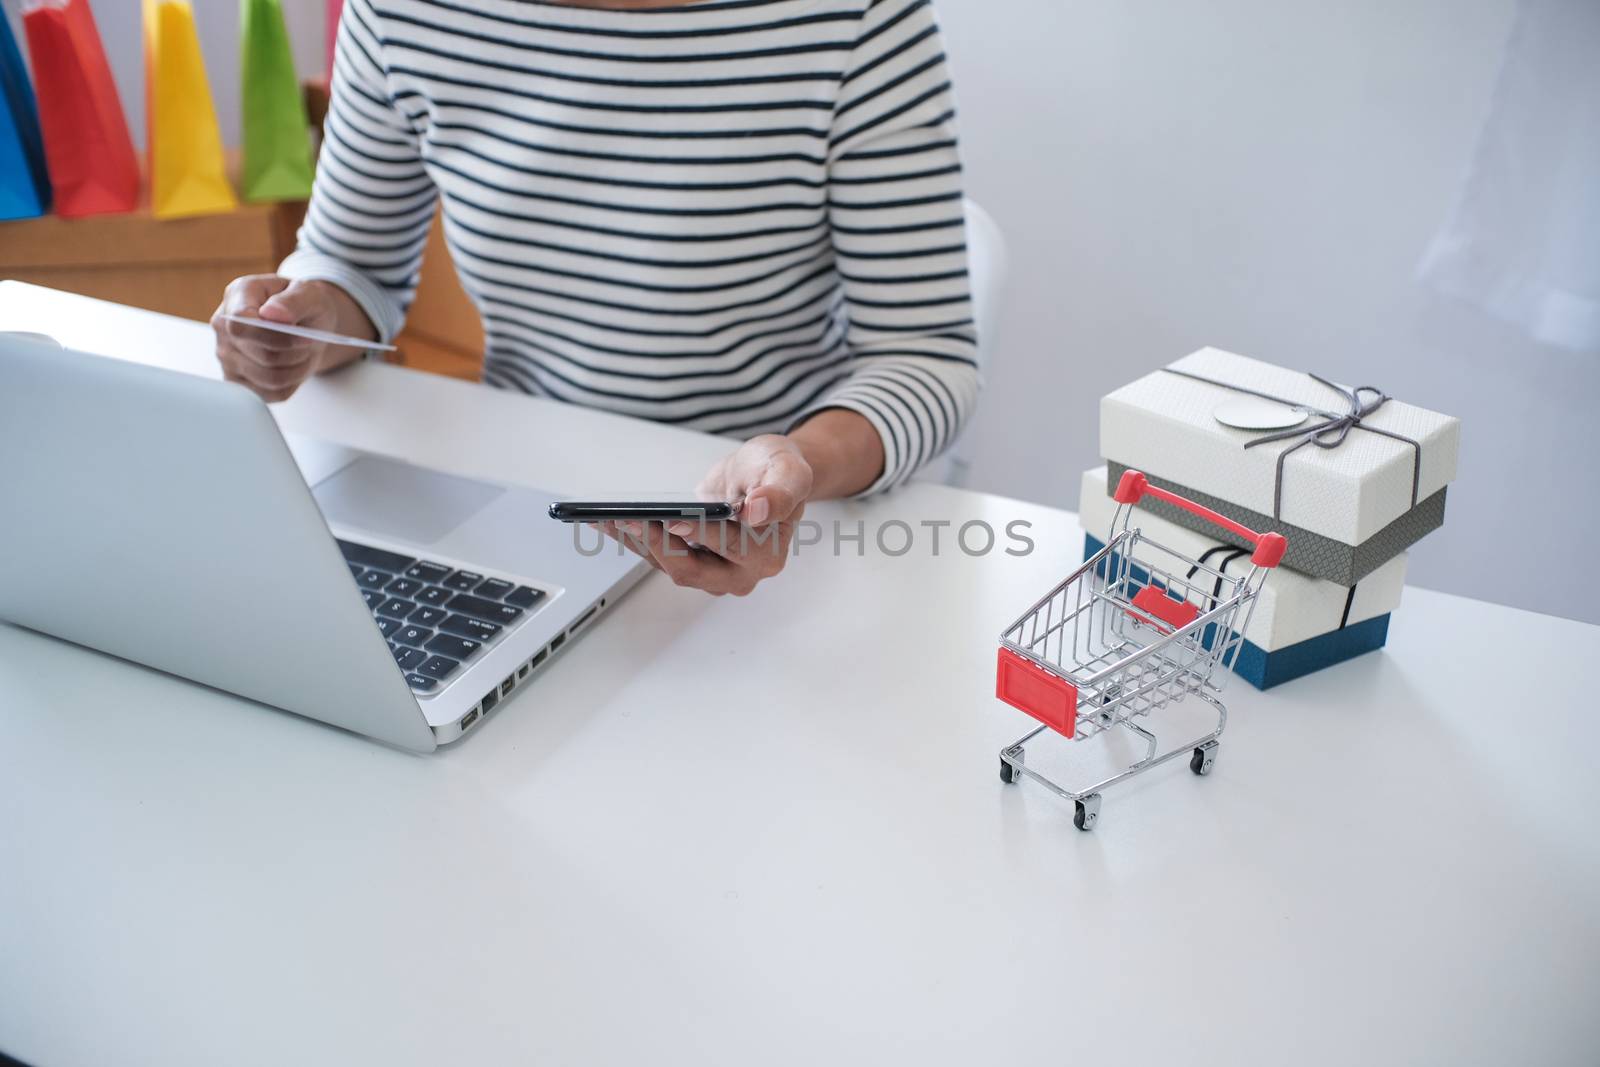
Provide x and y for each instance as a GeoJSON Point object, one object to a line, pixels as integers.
{"type": "Point", "coordinates": [1136, 628]}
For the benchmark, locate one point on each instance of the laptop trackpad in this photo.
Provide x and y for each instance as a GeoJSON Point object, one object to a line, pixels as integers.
{"type": "Point", "coordinates": [396, 500]}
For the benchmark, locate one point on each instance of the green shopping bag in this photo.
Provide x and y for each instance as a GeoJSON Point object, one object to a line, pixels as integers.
{"type": "Point", "coordinates": [277, 136]}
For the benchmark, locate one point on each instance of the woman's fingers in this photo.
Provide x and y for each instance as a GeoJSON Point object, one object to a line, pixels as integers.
{"type": "Point", "coordinates": [275, 369]}
{"type": "Point", "coordinates": [272, 394]}
{"type": "Point", "coordinates": [272, 345]}
{"type": "Point", "coordinates": [763, 549]}
{"type": "Point", "coordinates": [697, 562]}
{"type": "Point", "coordinates": [697, 569]}
{"type": "Point", "coordinates": [636, 546]}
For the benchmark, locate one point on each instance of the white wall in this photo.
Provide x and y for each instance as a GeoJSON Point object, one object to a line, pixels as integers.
{"type": "Point", "coordinates": [1262, 175]}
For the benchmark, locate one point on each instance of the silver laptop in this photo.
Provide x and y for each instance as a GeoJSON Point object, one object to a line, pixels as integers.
{"type": "Point", "coordinates": [160, 517]}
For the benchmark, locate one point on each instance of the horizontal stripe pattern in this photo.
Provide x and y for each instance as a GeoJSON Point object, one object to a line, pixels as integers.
{"type": "Point", "coordinates": [728, 215]}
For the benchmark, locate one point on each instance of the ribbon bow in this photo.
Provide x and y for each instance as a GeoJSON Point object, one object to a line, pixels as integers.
{"type": "Point", "coordinates": [1330, 433]}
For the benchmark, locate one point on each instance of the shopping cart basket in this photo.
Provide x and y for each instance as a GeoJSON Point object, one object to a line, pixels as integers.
{"type": "Point", "coordinates": [1137, 627]}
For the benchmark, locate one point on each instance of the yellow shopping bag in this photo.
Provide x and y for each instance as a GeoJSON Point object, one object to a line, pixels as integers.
{"type": "Point", "coordinates": [187, 172]}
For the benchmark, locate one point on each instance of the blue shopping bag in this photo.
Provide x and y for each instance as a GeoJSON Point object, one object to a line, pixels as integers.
{"type": "Point", "coordinates": [24, 182]}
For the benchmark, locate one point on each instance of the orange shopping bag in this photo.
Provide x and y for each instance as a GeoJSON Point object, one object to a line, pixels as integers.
{"type": "Point", "coordinates": [88, 153]}
{"type": "Point", "coordinates": [187, 172]}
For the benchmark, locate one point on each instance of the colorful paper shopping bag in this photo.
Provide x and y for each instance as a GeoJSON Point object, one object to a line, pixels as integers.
{"type": "Point", "coordinates": [188, 175]}
{"type": "Point", "coordinates": [24, 185]}
{"type": "Point", "coordinates": [335, 9]}
{"type": "Point", "coordinates": [88, 152]}
{"type": "Point", "coordinates": [277, 136]}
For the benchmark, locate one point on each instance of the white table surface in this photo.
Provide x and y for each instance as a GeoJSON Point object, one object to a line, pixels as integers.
{"type": "Point", "coordinates": [1395, 861]}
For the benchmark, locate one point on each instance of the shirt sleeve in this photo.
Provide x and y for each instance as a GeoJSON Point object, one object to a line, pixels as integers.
{"type": "Point", "coordinates": [896, 207]}
{"type": "Point", "coordinates": [372, 202]}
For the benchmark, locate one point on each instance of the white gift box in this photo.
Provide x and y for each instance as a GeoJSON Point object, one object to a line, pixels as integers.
{"type": "Point", "coordinates": [1166, 425]}
{"type": "Point", "coordinates": [1291, 608]}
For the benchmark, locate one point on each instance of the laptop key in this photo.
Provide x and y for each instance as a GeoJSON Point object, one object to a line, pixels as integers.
{"type": "Point", "coordinates": [388, 626]}
{"type": "Point", "coordinates": [493, 588]}
{"type": "Point", "coordinates": [373, 598]}
{"type": "Point", "coordinates": [415, 636]}
{"type": "Point", "coordinates": [426, 616]}
{"type": "Point", "coordinates": [373, 579]}
{"type": "Point", "coordinates": [452, 646]}
{"type": "Point", "coordinates": [523, 597]}
{"type": "Point", "coordinates": [426, 571]}
{"type": "Point", "coordinates": [393, 562]}
{"type": "Point", "coordinates": [487, 610]}
{"type": "Point", "coordinates": [439, 667]}
{"type": "Point", "coordinates": [435, 596]}
{"type": "Point", "coordinates": [403, 587]}
{"type": "Point", "coordinates": [409, 658]}
{"type": "Point", "coordinates": [397, 608]}
{"type": "Point", "coordinates": [422, 683]}
{"type": "Point", "coordinates": [462, 626]}
{"type": "Point", "coordinates": [355, 569]}
{"type": "Point", "coordinates": [462, 581]}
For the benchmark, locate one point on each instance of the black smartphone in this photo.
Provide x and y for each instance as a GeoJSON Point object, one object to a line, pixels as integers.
{"type": "Point", "coordinates": [640, 511]}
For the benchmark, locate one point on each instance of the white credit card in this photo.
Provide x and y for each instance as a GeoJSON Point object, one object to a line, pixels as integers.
{"type": "Point", "coordinates": [309, 334]}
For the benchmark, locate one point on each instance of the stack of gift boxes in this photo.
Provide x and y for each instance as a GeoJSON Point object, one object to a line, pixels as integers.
{"type": "Point", "coordinates": [1351, 477]}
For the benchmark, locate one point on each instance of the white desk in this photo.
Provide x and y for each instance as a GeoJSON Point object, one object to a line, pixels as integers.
{"type": "Point", "coordinates": [1395, 861]}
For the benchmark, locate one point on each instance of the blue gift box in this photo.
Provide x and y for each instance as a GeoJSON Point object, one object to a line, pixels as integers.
{"type": "Point", "coordinates": [1264, 669]}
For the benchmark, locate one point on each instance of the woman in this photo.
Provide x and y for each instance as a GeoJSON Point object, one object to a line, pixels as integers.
{"type": "Point", "coordinates": [741, 216]}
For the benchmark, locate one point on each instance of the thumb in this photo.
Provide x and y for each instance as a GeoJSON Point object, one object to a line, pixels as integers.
{"type": "Point", "coordinates": [781, 492]}
{"type": "Point", "coordinates": [246, 295]}
{"type": "Point", "coordinates": [293, 305]}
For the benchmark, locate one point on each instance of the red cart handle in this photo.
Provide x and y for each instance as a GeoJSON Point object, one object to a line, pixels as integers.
{"type": "Point", "coordinates": [1269, 547]}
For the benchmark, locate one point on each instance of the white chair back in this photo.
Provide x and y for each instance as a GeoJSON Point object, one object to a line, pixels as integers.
{"type": "Point", "coordinates": [987, 266]}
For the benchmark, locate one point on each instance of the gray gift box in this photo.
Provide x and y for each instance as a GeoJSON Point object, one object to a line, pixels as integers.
{"type": "Point", "coordinates": [1309, 553]}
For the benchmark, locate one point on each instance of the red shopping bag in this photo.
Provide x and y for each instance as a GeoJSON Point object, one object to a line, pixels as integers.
{"type": "Point", "coordinates": [86, 144]}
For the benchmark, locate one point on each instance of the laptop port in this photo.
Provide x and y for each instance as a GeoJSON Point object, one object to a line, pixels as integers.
{"type": "Point", "coordinates": [472, 716]}
{"type": "Point", "coordinates": [585, 617]}
{"type": "Point", "coordinates": [490, 699]}
{"type": "Point", "coordinates": [537, 659]}
{"type": "Point", "coordinates": [560, 640]}
{"type": "Point", "coordinates": [505, 686]}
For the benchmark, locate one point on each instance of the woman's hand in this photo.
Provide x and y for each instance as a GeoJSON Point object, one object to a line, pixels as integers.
{"type": "Point", "coordinates": [834, 453]}
{"type": "Point", "coordinates": [274, 365]}
{"type": "Point", "coordinates": [770, 478]}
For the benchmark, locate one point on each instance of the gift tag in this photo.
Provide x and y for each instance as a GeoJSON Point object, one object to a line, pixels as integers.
{"type": "Point", "coordinates": [1251, 413]}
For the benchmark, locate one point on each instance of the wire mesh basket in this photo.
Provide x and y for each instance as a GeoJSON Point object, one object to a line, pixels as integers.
{"type": "Point", "coordinates": [1138, 627]}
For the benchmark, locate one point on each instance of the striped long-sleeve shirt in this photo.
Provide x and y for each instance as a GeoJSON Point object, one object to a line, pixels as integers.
{"type": "Point", "coordinates": [727, 215]}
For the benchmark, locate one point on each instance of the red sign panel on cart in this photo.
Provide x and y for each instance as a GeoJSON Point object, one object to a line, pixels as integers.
{"type": "Point", "coordinates": [1051, 700]}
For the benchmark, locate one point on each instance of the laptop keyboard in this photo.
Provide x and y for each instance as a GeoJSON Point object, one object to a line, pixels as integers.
{"type": "Point", "coordinates": [435, 617]}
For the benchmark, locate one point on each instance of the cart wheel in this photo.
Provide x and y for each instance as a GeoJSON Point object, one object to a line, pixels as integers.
{"type": "Point", "coordinates": [1204, 756]}
{"type": "Point", "coordinates": [1008, 773]}
{"type": "Point", "coordinates": [1087, 813]}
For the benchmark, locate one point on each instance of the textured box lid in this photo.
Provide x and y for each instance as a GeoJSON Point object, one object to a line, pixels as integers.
{"type": "Point", "coordinates": [1164, 424]}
